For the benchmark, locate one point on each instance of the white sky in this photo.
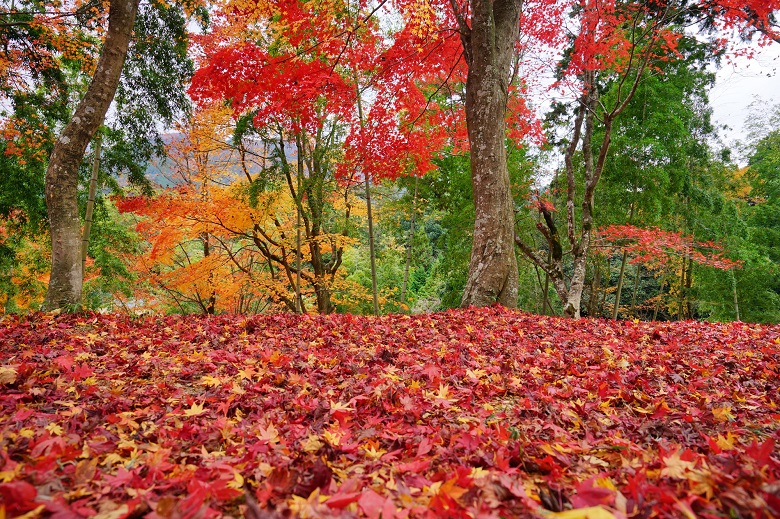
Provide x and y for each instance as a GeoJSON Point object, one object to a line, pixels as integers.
{"type": "Point", "coordinates": [740, 84]}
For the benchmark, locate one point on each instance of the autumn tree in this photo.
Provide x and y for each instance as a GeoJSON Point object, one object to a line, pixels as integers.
{"type": "Point", "coordinates": [617, 45]}
{"type": "Point", "coordinates": [66, 280]}
{"type": "Point", "coordinates": [659, 143]}
{"type": "Point", "coordinates": [67, 35]}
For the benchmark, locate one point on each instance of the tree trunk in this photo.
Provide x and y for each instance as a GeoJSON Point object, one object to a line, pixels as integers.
{"type": "Point", "coordinates": [298, 297]}
{"type": "Point", "coordinates": [594, 291]}
{"type": "Point", "coordinates": [371, 249]}
{"type": "Point", "coordinates": [488, 47]}
{"type": "Point", "coordinates": [734, 290]}
{"type": "Point", "coordinates": [636, 289]}
{"type": "Point", "coordinates": [66, 280]}
{"type": "Point", "coordinates": [681, 295]}
{"type": "Point", "coordinates": [660, 296]}
{"type": "Point", "coordinates": [90, 207]}
{"type": "Point", "coordinates": [410, 243]}
{"type": "Point", "coordinates": [546, 300]}
{"type": "Point", "coordinates": [688, 289]}
{"type": "Point", "coordinates": [369, 215]}
{"type": "Point", "coordinates": [621, 276]}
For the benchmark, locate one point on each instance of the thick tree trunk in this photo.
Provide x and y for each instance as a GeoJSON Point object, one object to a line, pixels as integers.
{"type": "Point", "coordinates": [489, 47]}
{"type": "Point", "coordinates": [67, 277]}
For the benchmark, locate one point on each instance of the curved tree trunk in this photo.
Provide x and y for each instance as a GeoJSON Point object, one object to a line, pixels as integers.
{"type": "Point", "coordinates": [67, 277]}
{"type": "Point", "coordinates": [489, 46]}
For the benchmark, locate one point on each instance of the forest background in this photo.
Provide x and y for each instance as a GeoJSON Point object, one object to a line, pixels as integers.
{"type": "Point", "coordinates": [312, 156]}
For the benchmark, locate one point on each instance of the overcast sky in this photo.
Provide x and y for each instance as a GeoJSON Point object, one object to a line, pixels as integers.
{"type": "Point", "coordinates": [739, 84]}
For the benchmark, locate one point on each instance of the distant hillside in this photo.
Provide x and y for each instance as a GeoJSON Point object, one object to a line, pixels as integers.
{"type": "Point", "coordinates": [165, 172]}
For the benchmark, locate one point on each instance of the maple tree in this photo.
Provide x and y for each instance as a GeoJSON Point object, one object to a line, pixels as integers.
{"type": "Point", "coordinates": [659, 250]}
{"type": "Point", "coordinates": [55, 46]}
{"type": "Point", "coordinates": [225, 237]}
{"type": "Point", "coordinates": [465, 413]}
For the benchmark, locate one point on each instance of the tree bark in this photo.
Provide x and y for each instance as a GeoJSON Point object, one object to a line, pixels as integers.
{"type": "Point", "coordinates": [488, 47]}
{"type": "Point", "coordinates": [371, 247]}
{"type": "Point", "coordinates": [67, 278]}
{"type": "Point", "coordinates": [734, 290]}
{"type": "Point", "coordinates": [410, 243]}
{"type": "Point", "coordinates": [616, 308]}
{"type": "Point", "coordinates": [369, 215]}
{"type": "Point", "coordinates": [90, 207]}
{"type": "Point", "coordinates": [636, 288]}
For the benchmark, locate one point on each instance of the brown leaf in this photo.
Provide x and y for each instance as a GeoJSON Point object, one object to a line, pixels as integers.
{"type": "Point", "coordinates": [7, 375]}
{"type": "Point", "coordinates": [85, 471]}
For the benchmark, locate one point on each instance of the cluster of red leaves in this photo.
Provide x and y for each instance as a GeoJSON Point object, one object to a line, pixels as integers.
{"type": "Point", "coordinates": [479, 412]}
{"type": "Point", "coordinates": [657, 247]}
{"type": "Point", "coordinates": [281, 89]}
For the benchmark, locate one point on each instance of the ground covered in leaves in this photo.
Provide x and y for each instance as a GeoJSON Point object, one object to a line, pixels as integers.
{"type": "Point", "coordinates": [470, 413]}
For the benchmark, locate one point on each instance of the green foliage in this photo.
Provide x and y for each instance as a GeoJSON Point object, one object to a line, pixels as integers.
{"type": "Point", "coordinates": [112, 241]}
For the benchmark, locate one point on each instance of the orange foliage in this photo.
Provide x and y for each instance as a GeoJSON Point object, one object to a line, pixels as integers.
{"type": "Point", "coordinates": [210, 246]}
{"type": "Point", "coordinates": [44, 39]}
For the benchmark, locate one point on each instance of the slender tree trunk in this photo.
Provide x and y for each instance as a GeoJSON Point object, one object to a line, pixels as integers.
{"type": "Point", "coordinates": [411, 242]}
{"type": "Point", "coordinates": [90, 206]}
{"type": "Point", "coordinates": [371, 249]}
{"type": "Point", "coordinates": [298, 298]}
{"type": "Point", "coordinates": [681, 296]}
{"type": "Point", "coordinates": [547, 288]}
{"type": "Point", "coordinates": [210, 306]}
{"type": "Point", "coordinates": [688, 289]}
{"type": "Point", "coordinates": [636, 289]}
{"type": "Point", "coordinates": [488, 47]}
{"type": "Point", "coordinates": [65, 283]}
{"type": "Point", "coordinates": [734, 290]}
{"type": "Point", "coordinates": [594, 289]}
{"type": "Point", "coordinates": [660, 295]}
{"type": "Point", "coordinates": [621, 276]}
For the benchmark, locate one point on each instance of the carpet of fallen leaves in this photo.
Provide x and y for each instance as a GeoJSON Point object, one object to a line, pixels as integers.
{"type": "Point", "coordinates": [468, 413]}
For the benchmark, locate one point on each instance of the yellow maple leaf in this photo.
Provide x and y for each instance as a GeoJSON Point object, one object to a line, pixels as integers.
{"type": "Point", "coordinates": [677, 468]}
{"type": "Point", "coordinates": [478, 473]}
{"type": "Point", "coordinates": [591, 512]}
{"type": "Point", "coordinates": [238, 481]}
{"type": "Point", "coordinates": [269, 434]}
{"type": "Point", "coordinates": [339, 407]}
{"type": "Point", "coordinates": [312, 444]}
{"type": "Point", "coordinates": [210, 381]}
{"type": "Point", "coordinates": [194, 410]}
{"type": "Point", "coordinates": [726, 443]}
{"type": "Point", "coordinates": [374, 454]}
{"type": "Point", "coordinates": [723, 414]}
{"type": "Point", "coordinates": [54, 429]}
{"type": "Point", "coordinates": [333, 438]}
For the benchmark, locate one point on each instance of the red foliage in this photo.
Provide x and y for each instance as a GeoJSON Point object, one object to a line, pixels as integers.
{"type": "Point", "coordinates": [658, 247]}
{"type": "Point", "coordinates": [468, 413]}
{"type": "Point", "coordinates": [281, 89]}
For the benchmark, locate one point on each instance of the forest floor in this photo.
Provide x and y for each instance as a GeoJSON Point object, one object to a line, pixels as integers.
{"type": "Point", "coordinates": [467, 413]}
